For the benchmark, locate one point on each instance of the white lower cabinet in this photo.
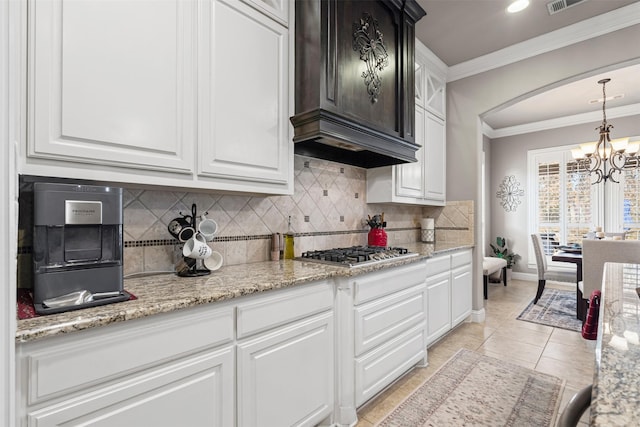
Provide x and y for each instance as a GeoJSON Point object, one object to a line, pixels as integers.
{"type": "Point", "coordinates": [195, 391]}
{"type": "Point", "coordinates": [168, 370]}
{"type": "Point", "coordinates": [449, 288]}
{"type": "Point", "coordinates": [260, 360]}
{"type": "Point", "coordinates": [389, 318]}
{"type": "Point", "coordinates": [439, 306]}
{"type": "Point", "coordinates": [461, 286]}
{"type": "Point", "coordinates": [306, 355]}
{"type": "Point", "coordinates": [285, 377]}
{"type": "Point", "coordinates": [285, 369]}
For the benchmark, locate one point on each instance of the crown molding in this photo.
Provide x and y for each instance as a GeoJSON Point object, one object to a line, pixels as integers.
{"type": "Point", "coordinates": [560, 122]}
{"type": "Point", "coordinates": [436, 63]}
{"type": "Point", "coordinates": [590, 28]}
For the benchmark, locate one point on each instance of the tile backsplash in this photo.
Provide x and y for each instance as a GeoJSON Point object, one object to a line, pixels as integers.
{"type": "Point", "coordinates": [328, 209]}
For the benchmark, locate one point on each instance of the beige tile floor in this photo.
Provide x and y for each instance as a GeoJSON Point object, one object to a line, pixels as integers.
{"type": "Point", "coordinates": [554, 351]}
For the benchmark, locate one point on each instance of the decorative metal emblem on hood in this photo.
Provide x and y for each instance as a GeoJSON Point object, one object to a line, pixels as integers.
{"type": "Point", "coordinates": [368, 40]}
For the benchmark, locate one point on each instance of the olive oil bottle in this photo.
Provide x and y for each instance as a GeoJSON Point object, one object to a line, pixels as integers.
{"type": "Point", "coordinates": [288, 242]}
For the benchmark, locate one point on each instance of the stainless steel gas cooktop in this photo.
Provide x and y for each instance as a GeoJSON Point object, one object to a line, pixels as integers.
{"type": "Point", "coordinates": [356, 256]}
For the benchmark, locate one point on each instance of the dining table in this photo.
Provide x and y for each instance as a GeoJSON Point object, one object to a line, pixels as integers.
{"type": "Point", "coordinates": [574, 256]}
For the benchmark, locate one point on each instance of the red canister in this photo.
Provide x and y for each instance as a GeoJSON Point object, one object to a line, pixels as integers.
{"type": "Point", "coordinates": [377, 237]}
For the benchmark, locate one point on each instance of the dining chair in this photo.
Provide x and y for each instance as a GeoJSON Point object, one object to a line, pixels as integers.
{"type": "Point", "coordinates": [595, 253]}
{"type": "Point", "coordinates": [579, 403]}
{"type": "Point", "coordinates": [541, 262]}
{"type": "Point", "coordinates": [614, 235]}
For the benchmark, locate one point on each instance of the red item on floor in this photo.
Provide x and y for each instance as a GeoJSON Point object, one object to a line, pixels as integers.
{"type": "Point", "coordinates": [590, 326]}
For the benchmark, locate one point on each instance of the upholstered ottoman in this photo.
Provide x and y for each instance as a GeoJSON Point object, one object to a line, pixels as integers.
{"type": "Point", "coordinates": [492, 265]}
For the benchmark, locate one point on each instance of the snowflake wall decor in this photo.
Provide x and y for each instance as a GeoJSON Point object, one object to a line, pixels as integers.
{"type": "Point", "coordinates": [510, 193]}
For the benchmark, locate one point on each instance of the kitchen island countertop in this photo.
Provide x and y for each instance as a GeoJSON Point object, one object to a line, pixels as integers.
{"type": "Point", "coordinates": [167, 292]}
{"type": "Point", "coordinates": [616, 385]}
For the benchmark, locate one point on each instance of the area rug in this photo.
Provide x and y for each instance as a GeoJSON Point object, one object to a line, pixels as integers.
{"type": "Point", "coordinates": [472, 389]}
{"type": "Point", "coordinates": [555, 308]}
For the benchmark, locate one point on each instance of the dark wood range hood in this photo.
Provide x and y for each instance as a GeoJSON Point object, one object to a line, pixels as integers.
{"type": "Point", "coordinates": [354, 81]}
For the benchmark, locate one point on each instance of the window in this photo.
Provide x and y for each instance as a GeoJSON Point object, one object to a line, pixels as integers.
{"type": "Point", "coordinates": [564, 206]}
{"type": "Point", "coordinates": [562, 198]}
{"type": "Point", "coordinates": [631, 199]}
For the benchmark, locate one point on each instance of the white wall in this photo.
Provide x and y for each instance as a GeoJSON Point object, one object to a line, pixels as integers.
{"type": "Point", "coordinates": [469, 98]}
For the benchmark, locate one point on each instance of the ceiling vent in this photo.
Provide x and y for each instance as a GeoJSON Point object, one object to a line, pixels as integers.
{"type": "Point", "coordinates": [560, 5]}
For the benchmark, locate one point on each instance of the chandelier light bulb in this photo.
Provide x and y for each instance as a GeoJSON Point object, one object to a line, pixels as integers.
{"type": "Point", "coordinates": [589, 148]}
{"type": "Point", "coordinates": [633, 147]}
{"type": "Point", "coordinates": [620, 144]}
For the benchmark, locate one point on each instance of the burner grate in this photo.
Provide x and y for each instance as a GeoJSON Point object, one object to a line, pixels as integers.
{"type": "Point", "coordinates": [355, 255]}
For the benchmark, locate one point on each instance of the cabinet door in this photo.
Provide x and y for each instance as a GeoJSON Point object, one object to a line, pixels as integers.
{"type": "Point", "coordinates": [243, 96]}
{"type": "Point", "coordinates": [197, 391]}
{"type": "Point", "coordinates": [435, 160]}
{"type": "Point", "coordinates": [461, 283]}
{"type": "Point", "coordinates": [409, 176]}
{"type": "Point", "coordinates": [419, 81]}
{"type": "Point", "coordinates": [435, 94]}
{"type": "Point", "coordinates": [112, 83]}
{"type": "Point", "coordinates": [285, 377]}
{"type": "Point", "coordinates": [439, 306]}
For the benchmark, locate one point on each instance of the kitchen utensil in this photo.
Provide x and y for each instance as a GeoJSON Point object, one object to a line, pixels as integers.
{"type": "Point", "coordinates": [214, 262]}
{"type": "Point", "coordinates": [207, 227]}
{"type": "Point", "coordinates": [176, 225]}
{"type": "Point", "coordinates": [196, 247]}
{"type": "Point", "coordinates": [275, 247]}
{"type": "Point", "coordinates": [185, 264]}
{"type": "Point", "coordinates": [186, 234]}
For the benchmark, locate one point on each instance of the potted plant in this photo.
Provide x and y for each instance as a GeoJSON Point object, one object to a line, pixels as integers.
{"type": "Point", "coordinates": [500, 250]}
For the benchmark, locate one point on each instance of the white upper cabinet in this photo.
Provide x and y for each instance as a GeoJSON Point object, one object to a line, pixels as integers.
{"type": "Point", "coordinates": [431, 82]}
{"type": "Point", "coordinates": [178, 93]}
{"type": "Point", "coordinates": [410, 176]}
{"type": "Point", "coordinates": [277, 9]}
{"type": "Point", "coordinates": [435, 160]}
{"type": "Point", "coordinates": [243, 121]}
{"type": "Point", "coordinates": [422, 182]}
{"type": "Point", "coordinates": [419, 81]}
{"type": "Point", "coordinates": [112, 83]}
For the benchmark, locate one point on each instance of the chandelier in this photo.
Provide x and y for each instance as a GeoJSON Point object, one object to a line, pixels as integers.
{"type": "Point", "coordinates": [605, 157]}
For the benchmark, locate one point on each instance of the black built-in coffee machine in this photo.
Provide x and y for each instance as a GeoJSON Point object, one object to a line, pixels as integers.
{"type": "Point", "coordinates": [77, 247]}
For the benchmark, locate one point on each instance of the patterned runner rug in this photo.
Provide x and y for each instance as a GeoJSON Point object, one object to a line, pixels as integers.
{"type": "Point", "coordinates": [555, 308]}
{"type": "Point", "coordinates": [472, 389]}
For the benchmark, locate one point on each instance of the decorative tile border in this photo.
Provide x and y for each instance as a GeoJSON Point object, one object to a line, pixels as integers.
{"type": "Point", "coordinates": [170, 242]}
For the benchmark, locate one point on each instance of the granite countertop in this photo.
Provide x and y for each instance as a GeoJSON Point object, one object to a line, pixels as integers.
{"type": "Point", "coordinates": [616, 386]}
{"type": "Point", "coordinates": [168, 292]}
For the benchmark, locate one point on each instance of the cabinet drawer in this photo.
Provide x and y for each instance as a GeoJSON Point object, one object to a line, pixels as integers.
{"type": "Point", "coordinates": [281, 307]}
{"type": "Point", "coordinates": [379, 368]}
{"type": "Point", "coordinates": [381, 320]}
{"type": "Point", "coordinates": [195, 391]}
{"type": "Point", "coordinates": [385, 282]}
{"type": "Point", "coordinates": [461, 258]}
{"type": "Point", "coordinates": [67, 364]}
{"type": "Point", "coordinates": [438, 264]}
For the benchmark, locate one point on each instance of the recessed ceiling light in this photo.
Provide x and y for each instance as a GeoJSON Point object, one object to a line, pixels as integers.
{"type": "Point", "coordinates": [517, 6]}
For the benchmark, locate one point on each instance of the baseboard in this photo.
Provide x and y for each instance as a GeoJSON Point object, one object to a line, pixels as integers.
{"type": "Point", "coordinates": [477, 316]}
